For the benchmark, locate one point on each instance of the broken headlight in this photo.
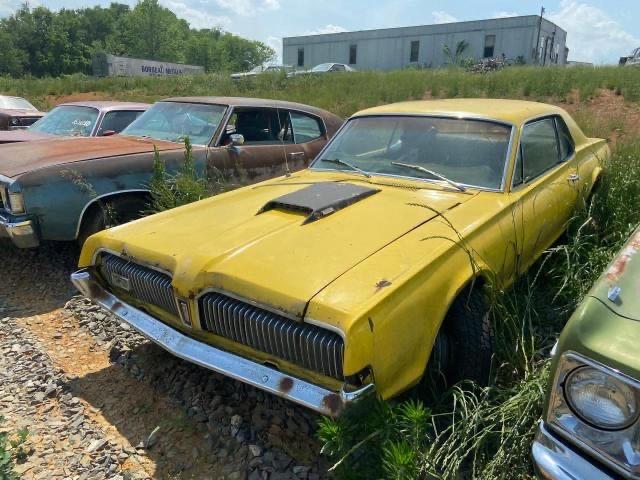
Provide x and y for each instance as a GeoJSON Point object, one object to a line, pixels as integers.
{"type": "Point", "coordinates": [596, 408]}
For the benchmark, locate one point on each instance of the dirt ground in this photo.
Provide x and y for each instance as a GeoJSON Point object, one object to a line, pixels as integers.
{"type": "Point", "coordinates": [101, 402]}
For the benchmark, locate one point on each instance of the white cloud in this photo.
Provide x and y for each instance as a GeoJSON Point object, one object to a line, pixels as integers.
{"type": "Point", "coordinates": [248, 8]}
{"type": "Point", "coordinates": [440, 16]}
{"type": "Point", "coordinates": [276, 44]}
{"type": "Point", "coordinates": [592, 35]}
{"type": "Point", "coordinates": [8, 7]}
{"type": "Point", "coordinates": [197, 18]}
{"type": "Point", "coordinates": [504, 14]}
{"type": "Point", "coordinates": [330, 28]}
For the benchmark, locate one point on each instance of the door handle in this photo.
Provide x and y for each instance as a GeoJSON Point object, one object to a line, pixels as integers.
{"type": "Point", "coordinates": [297, 155]}
{"type": "Point", "coordinates": [574, 177]}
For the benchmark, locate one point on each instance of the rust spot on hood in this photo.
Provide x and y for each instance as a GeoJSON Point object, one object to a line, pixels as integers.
{"type": "Point", "coordinates": [19, 158]}
{"type": "Point", "coordinates": [619, 265]}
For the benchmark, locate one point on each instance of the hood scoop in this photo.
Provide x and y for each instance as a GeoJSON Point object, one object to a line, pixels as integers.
{"type": "Point", "coordinates": [320, 199]}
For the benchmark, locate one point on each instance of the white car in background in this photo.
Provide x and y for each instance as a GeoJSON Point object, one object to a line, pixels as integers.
{"type": "Point", "coordinates": [324, 68]}
{"type": "Point", "coordinates": [259, 70]}
{"type": "Point", "coordinates": [632, 60]}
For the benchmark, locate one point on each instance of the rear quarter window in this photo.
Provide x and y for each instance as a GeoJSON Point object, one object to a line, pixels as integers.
{"type": "Point", "coordinates": [305, 127]}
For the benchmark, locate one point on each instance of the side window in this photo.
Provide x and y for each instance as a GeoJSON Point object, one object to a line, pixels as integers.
{"type": "Point", "coordinates": [338, 68]}
{"type": "Point", "coordinates": [258, 126]}
{"type": "Point", "coordinates": [565, 140]}
{"type": "Point", "coordinates": [117, 121]}
{"type": "Point", "coordinates": [539, 148]}
{"type": "Point", "coordinates": [305, 127]}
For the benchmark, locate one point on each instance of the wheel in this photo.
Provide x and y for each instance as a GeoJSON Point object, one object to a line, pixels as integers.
{"type": "Point", "coordinates": [464, 346]}
{"type": "Point", "coordinates": [109, 213]}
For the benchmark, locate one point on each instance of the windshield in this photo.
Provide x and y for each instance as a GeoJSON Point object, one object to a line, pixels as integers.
{"type": "Point", "coordinates": [174, 121]}
{"type": "Point", "coordinates": [16, 103]}
{"type": "Point", "coordinates": [323, 67]}
{"type": "Point", "coordinates": [67, 120]}
{"type": "Point", "coordinates": [450, 150]}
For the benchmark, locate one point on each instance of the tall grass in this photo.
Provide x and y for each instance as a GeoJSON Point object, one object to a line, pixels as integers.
{"type": "Point", "coordinates": [345, 94]}
{"type": "Point", "coordinates": [486, 433]}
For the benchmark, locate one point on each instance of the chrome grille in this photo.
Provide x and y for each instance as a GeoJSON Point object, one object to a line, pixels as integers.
{"type": "Point", "coordinates": [146, 284]}
{"type": "Point", "coordinates": [303, 344]}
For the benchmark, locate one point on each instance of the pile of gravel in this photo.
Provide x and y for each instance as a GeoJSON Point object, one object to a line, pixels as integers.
{"type": "Point", "coordinates": [254, 434]}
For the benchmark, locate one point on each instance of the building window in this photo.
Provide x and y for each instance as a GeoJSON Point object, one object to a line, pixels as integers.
{"type": "Point", "coordinates": [415, 51]}
{"type": "Point", "coordinates": [353, 54]}
{"type": "Point", "coordinates": [301, 57]}
{"type": "Point", "coordinates": [489, 45]}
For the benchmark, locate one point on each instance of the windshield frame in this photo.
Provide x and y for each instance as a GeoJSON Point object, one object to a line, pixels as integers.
{"type": "Point", "coordinates": [213, 137]}
{"type": "Point", "coordinates": [507, 162]}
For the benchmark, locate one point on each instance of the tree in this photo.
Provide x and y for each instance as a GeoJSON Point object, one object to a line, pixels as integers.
{"type": "Point", "coordinates": [455, 58]}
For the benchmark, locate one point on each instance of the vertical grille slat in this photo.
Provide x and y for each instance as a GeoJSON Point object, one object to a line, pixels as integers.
{"type": "Point", "coordinates": [303, 344]}
{"type": "Point", "coordinates": [146, 284]}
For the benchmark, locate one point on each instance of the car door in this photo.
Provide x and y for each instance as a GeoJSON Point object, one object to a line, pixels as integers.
{"type": "Point", "coordinates": [263, 152]}
{"type": "Point", "coordinates": [544, 191]}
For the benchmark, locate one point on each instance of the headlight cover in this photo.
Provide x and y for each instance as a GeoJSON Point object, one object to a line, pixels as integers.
{"type": "Point", "coordinates": [596, 408]}
{"type": "Point", "coordinates": [601, 399]}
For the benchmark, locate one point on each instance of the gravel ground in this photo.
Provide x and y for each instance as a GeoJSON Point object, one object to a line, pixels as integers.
{"type": "Point", "coordinates": [102, 402]}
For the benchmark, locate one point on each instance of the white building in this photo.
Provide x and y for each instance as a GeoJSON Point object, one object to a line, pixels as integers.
{"type": "Point", "coordinates": [515, 38]}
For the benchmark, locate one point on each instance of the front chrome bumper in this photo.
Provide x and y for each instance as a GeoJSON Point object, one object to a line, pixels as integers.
{"type": "Point", "coordinates": [273, 381]}
{"type": "Point", "coordinates": [555, 460]}
{"type": "Point", "coordinates": [22, 232]}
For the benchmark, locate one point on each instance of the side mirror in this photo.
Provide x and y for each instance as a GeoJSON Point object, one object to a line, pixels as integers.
{"type": "Point", "coordinates": [237, 139]}
{"type": "Point", "coordinates": [108, 133]}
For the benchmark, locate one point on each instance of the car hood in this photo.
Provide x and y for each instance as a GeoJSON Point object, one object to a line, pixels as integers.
{"type": "Point", "coordinates": [274, 256]}
{"type": "Point", "coordinates": [19, 158]}
{"type": "Point", "coordinates": [11, 136]}
{"type": "Point", "coordinates": [624, 274]}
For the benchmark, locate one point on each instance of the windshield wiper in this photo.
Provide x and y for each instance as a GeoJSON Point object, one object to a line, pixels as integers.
{"type": "Point", "coordinates": [432, 173]}
{"type": "Point", "coordinates": [337, 161]}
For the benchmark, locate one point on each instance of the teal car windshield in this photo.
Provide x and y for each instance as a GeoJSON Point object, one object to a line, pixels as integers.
{"type": "Point", "coordinates": [461, 151]}
{"type": "Point", "coordinates": [175, 121]}
{"type": "Point", "coordinates": [67, 120]}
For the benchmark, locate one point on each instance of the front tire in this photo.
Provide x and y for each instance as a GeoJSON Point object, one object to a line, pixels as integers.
{"type": "Point", "coordinates": [463, 349]}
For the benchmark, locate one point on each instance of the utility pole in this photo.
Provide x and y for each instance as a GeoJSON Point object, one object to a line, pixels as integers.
{"type": "Point", "coordinates": [537, 47]}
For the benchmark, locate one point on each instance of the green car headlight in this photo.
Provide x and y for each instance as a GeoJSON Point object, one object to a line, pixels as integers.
{"type": "Point", "coordinates": [601, 399]}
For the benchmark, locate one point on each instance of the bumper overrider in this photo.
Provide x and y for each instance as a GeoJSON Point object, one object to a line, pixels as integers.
{"type": "Point", "coordinates": [322, 400]}
{"type": "Point", "coordinates": [553, 459]}
{"type": "Point", "coordinates": [20, 229]}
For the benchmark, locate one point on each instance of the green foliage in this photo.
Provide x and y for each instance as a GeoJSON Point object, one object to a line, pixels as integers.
{"type": "Point", "coordinates": [486, 433]}
{"type": "Point", "coordinates": [44, 43]}
{"type": "Point", "coordinates": [12, 448]}
{"type": "Point", "coordinates": [173, 190]}
{"type": "Point", "coordinates": [455, 58]}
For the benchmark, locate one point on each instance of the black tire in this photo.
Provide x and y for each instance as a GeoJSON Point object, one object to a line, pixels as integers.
{"type": "Point", "coordinates": [464, 347]}
{"type": "Point", "coordinates": [109, 213]}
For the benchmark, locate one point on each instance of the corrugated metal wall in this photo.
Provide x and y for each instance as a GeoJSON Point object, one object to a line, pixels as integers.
{"type": "Point", "coordinates": [390, 49]}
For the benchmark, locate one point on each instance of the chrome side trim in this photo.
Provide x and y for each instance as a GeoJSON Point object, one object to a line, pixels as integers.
{"type": "Point", "coordinates": [324, 401]}
{"type": "Point", "coordinates": [554, 460]}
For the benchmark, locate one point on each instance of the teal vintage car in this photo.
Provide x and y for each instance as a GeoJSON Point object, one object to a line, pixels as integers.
{"type": "Point", "coordinates": [590, 427]}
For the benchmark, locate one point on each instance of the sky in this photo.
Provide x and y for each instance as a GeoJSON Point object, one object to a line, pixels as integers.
{"type": "Point", "coordinates": [599, 31]}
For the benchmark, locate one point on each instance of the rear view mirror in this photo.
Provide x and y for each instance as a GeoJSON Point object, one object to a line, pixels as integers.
{"type": "Point", "coordinates": [108, 133]}
{"type": "Point", "coordinates": [237, 139]}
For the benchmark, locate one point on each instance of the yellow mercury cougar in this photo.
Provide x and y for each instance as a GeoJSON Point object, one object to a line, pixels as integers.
{"type": "Point", "coordinates": [345, 279]}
